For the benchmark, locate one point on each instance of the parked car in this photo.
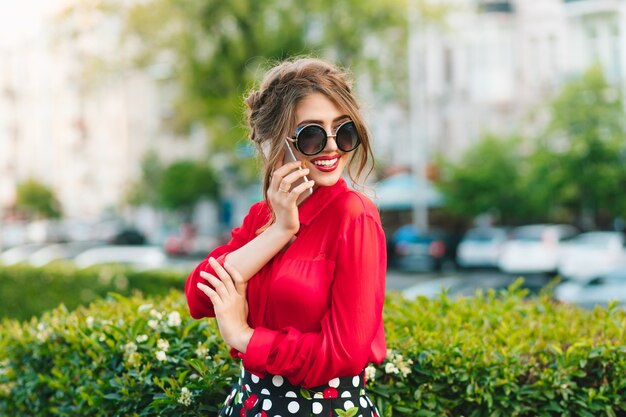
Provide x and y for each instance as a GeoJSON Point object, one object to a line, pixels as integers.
{"type": "Point", "coordinates": [591, 254]}
{"type": "Point", "coordinates": [534, 248]}
{"type": "Point", "coordinates": [416, 251]}
{"type": "Point", "coordinates": [140, 257]}
{"type": "Point", "coordinates": [598, 290]}
{"type": "Point", "coordinates": [481, 247]}
{"type": "Point", "coordinates": [60, 251]}
{"type": "Point", "coordinates": [19, 254]}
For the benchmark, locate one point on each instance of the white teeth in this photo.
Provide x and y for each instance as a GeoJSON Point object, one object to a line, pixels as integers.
{"type": "Point", "coordinates": [326, 163]}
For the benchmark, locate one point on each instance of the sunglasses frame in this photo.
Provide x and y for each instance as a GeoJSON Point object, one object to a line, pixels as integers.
{"type": "Point", "coordinates": [294, 138]}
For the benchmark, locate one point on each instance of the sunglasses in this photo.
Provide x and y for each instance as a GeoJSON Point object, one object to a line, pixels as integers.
{"type": "Point", "coordinates": [311, 139]}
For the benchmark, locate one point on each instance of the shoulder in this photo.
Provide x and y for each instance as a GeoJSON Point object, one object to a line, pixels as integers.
{"type": "Point", "coordinates": [355, 205]}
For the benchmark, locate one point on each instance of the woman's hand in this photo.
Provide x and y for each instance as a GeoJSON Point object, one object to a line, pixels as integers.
{"type": "Point", "coordinates": [283, 197]}
{"type": "Point", "coordinates": [228, 296]}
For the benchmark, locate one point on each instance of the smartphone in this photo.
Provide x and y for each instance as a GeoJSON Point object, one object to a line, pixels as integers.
{"type": "Point", "coordinates": [290, 157]}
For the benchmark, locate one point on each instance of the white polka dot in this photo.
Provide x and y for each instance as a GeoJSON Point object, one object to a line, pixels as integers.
{"type": "Point", "coordinates": [239, 398]}
{"type": "Point", "coordinates": [277, 380]}
{"type": "Point", "coordinates": [355, 381]}
{"type": "Point", "coordinates": [318, 395]}
{"type": "Point", "coordinates": [265, 391]}
{"type": "Point", "coordinates": [255, 378]}
{"type": "Point", "coordinates": [267, 404]}
{"type": "Point", "coordinates": [291, 394]}
{"type": "Point", "coordinates": [333, 382]}
{"type": "Point", "coordinates": [348, 405]}
{"type": "Point", "coordinates": [243, 372]}
{"type": "Point", "coordinates": [363, 402]}
{"type": "Point", "coordinates": [317, 408]}
{"type": "Point", "coordinates": [247, 387]}
{"type": "Point", "coordinates": [293, 407]}
{"type": "Point", "coordinates": [229, 411]}
{"type": "Point", "coordinates": [346, 394]}
{"type": "Point", "coordinates": [369, 401]}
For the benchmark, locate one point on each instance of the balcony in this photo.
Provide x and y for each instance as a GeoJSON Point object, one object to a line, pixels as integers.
{"type": "Point", "coordinates": [495, 6]}
{"type": "Point", "coordinates": [581, 8]}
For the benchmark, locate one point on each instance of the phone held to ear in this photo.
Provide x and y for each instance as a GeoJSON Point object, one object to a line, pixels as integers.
{"type": "Point", "coordinates": [290, 157]}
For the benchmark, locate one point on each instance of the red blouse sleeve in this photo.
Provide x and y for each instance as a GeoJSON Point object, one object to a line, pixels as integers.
{"type": "Point", "coordinates": [348, 329]}
{"type": "Point", "coordinates": [199, 304]}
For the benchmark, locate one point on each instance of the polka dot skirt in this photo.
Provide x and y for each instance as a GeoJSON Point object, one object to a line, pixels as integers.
{"type": "Point", "coordinates": [274, 396]}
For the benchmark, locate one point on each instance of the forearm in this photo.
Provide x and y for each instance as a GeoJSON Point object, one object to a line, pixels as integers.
{"type": "Point", "coordinates": [251, 257]}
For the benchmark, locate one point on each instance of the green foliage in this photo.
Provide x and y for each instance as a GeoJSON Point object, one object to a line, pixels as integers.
{"type": "Point", "coordinates": [581, 159]}
{"type": "Point", "coordinates": [488, 355]}
{"type": "Point", "coordinates": [145, 190]}
{"type": "Point", "coordinates": [36, 199]}
{"type": "Point", "coordinates": [571, 173]}
{"type": "Point", "coordinates": [487, 179]}
{"type": "Point", "coordinates": [185, 182]}
{"type": "Point", "coordinates": [27, 291]}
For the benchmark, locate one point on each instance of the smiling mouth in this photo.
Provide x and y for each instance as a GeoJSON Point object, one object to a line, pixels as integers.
{"type": "Point", "coordinates": [326, 162]}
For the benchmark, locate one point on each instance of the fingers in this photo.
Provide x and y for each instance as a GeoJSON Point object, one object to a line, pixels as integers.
{"type": "Point", "coordinates": [289, 179]}
{"type": "Point", "coordinates": [282, 171]}
{"type": "Point", "coordinates": [302, 187]}
{"type": "Point", "coordinates": [223, 275]}
{"type": "Point", "coordinates": [240, 284]}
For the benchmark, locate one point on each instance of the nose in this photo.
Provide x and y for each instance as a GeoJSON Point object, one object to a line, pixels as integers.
{"type": "Point", "coordinates": [331, 143]}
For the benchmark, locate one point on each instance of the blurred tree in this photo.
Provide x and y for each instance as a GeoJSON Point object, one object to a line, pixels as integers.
{"type": "Point", "coordinates": [487, 180]}
{"type": "Point", "coordinates": [146, 189]}
{"type": "Point", "coordinates": [184, 183]}
{"type": "Point", "coordinates": [581, 159]}
{"type": "Point", "coordinates": [36, 199]}
{"type": "Point", "coordinates": [214, 50]}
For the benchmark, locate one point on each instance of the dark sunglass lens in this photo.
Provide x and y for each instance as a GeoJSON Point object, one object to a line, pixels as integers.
{"type": "Point", "coordinates": [311, 140]}
{"type": "Point", "coordinates": [347, 137]}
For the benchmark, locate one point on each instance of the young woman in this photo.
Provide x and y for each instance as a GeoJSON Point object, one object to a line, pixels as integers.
{"type": "Point", "coordinates": [298, 291]}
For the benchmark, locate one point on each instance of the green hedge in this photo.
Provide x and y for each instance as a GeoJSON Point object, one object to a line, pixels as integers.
{"type": "Point", "coordinates": [489, 355]}
{"type": "Point", "coordinates": [27, 291]}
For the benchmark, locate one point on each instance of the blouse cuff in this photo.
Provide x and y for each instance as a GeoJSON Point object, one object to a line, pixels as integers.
{"type": "Point", "coordinates": [258, 350]}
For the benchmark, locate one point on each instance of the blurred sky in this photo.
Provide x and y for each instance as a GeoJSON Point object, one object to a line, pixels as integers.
{"type": "Point", "coordinates": [20, 19]}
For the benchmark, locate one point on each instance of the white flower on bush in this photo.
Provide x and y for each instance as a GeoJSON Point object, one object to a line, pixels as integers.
{"type": "Point", "coordinates": [156, 314]}
{"type": "Point", "coordinates": [144, 307]}
{"type": "Point", "coordinates": [202, 351]}
{"type": "Point", "coordinates": [370, 373]}
{"type": "Point", "coordinates": [102, 337]}
{"type": "Point", "coordinates": [185, 397]}
{"type": "Point", "coordinates": [390, 368]}
{"type": "Point", "coordinates": [163, 345]}
{"type": "Point", "coordinates": [161, 356]}
{"type": "Point", "coordinates": [173, 319]}
{"type": "Point", "coordinates": [142, 338]}
{"type": "Point", "coordinates": [89, 322]}
{"type": "Point", "coordinates": [397, 364]}
{"type": "Point", "coordinates": [134, 359]}
{"type": "Point", "coordinates": [130, 348]}
{"type": "Point", "coordinates": [153, 324]}
{"type": "Point", "coordinates": [42, 332]}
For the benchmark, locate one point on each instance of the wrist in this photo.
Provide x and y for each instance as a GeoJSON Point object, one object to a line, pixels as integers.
{"type": "Point", "coordinates": [243, 339]}
{"type": "Point", "coordinates": [280, 233]}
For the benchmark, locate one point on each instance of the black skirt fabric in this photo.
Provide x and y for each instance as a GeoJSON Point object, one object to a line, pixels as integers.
{"type": "Point", "coordinates": [274, 396]}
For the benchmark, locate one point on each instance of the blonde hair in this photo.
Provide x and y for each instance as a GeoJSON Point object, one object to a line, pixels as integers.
{"type": "Point", "coordinates": [271, 111]}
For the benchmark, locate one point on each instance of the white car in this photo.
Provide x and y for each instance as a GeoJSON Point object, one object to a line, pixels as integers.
{"type": "Point", "coordinates": [19, 254]}
{"type": "Point", "coordinates": [534, 248]}
{"type": "Point", "coordinates": [597, 291]}
{"type": "Point", "coordinates": [59, 251]}
{"type": "Point", "coordinates": [481, 247]}
{"type": "Point", "coordinates": [140, 257]}
{"type": "Point", "coordinates": [591, 254]}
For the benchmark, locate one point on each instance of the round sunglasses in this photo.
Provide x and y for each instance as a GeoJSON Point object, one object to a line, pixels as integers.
{"type": "Point", "coordinates": [311, 139]}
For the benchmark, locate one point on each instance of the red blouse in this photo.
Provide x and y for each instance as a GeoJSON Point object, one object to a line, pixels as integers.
{"type": "Point", "coordinates": [316, 306]}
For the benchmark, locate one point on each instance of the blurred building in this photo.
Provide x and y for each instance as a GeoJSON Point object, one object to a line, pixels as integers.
{"type": "Point", "coordinates": [492, 65]}
{"type": "Point", "coordinates": [83, 136]}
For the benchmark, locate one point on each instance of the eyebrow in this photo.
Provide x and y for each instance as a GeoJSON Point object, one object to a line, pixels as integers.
{"type": "Point", "coordinates": [321, 122]}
